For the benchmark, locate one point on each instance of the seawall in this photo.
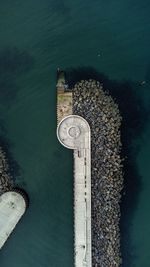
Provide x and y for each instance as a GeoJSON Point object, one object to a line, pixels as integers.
{"type": "Point", "coordinates": [102, 114]}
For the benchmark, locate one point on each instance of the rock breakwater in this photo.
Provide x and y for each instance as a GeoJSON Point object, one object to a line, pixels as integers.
{"type": "Point", "coordinates": [102, 114]}
{"type": "Point", "coordinates": [6, 181]}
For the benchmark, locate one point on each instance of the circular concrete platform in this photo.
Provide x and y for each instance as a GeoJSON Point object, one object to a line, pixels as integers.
{"type": "Point", "coordinates": [72, 130]}
{"type": "Point", "coordinates": [12, 207]}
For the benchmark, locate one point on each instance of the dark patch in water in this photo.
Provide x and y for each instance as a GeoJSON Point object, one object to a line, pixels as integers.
{"type": "Point", "coordinates": [8, 91]}
{"type": "Point", "coordinates": [13, 62]}
{"type": "Point", "coordinates": [2, 128]}
{"type": "Point", "coordinates": [135, 118]}
{"type": "Point", "coordinates": [61, 8]}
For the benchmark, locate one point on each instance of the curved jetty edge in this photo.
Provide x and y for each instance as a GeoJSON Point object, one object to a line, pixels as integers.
{"type": "Point", "coordinates": [12, 207]}
{"type": "Point", "coordinates": [102, 114]}
{"type": "Point", "coordinates": [13, 201]}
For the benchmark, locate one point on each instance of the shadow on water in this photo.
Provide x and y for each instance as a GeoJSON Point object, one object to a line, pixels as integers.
{"type": "Point", "coordinates": [61, 8]}
{"type": "Point", "coordinates": [134, 119]}
{"type": "Point", "coordinates": [13, 63]}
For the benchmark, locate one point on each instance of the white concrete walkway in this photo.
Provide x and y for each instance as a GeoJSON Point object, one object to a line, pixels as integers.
{"type": "Point", "coordinates": [73, 132]}
{"type": "Point", "coordinates": [12, 207]}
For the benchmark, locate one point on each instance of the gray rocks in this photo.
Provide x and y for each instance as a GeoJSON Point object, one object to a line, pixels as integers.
{"type": "Point", "coordinates": [6, 182]}
{"type": "Point", "coordinates": [102, 114]}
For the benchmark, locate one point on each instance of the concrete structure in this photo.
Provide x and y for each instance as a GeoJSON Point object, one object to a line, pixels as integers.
{"type": "Point", "coordinates": [64, 105]}
{"type": "Point", "coordinates": [12, 207]}
{"type": "Point", "coordinates": [73, 132]}
{"type": "Point", "coordinates": [64, 97]}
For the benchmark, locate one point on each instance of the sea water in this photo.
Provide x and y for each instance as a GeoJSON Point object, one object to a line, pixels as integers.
{"type": "Point", "coordinates": [37, 37]}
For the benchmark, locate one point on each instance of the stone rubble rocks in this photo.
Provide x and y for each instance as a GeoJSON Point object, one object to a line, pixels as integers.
{"type": "Point", "coordinates": [102, 114]}
{"type": "Point", "coordinates": [6, 182]}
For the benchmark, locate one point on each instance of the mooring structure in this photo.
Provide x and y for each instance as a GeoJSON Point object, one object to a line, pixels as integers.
{"type": "Point", "coordinates": [73, 132]}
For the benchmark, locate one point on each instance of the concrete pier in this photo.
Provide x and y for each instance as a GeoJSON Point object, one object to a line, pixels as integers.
{"type": "Point", "coordinates": [64, 97]}
{"type": "Point", "coordinates": [12, 207]}
{"type": "Point", "coordinates": [73, 132]}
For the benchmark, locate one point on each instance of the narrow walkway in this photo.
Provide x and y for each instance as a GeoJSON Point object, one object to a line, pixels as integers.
{"type": "Point", "coordinates": [73, 132]}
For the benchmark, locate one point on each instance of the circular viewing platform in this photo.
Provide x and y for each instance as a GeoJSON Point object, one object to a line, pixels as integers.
{"type": "Point", "coordinates": [73, 131]}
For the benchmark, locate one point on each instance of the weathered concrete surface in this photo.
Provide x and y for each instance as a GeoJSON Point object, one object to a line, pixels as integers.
{"type": "Point", "coordinates": [12, 207]}
{"type": "Point", "coordinates": [64, 105]}
{"type": "Point", "coordinates": [73, 132]}
{"type": "Point", "coordinates": [64, 97]}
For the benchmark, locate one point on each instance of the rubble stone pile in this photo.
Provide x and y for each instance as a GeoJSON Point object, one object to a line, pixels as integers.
{"type": "Point", "coordinates": [102, 114]}
{"type": "Point", "coordinates": [6, 181]}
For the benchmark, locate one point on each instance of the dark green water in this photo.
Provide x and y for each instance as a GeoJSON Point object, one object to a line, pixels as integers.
{"type": "Point", "coordinates": [36, 38]}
